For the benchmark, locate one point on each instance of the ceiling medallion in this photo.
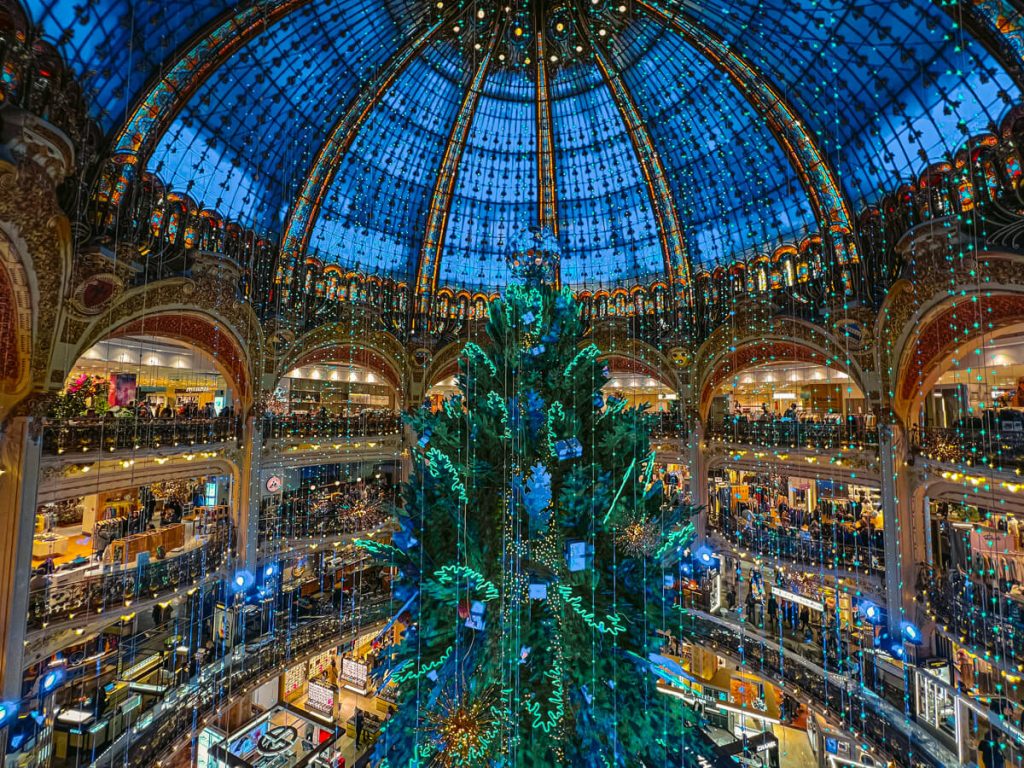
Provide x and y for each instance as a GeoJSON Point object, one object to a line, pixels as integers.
{"type": "Point", "coordinates": [569, 27]}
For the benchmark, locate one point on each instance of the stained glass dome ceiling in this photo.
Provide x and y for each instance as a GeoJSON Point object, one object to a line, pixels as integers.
{"type": "Point", "coordinates": [406, 137]}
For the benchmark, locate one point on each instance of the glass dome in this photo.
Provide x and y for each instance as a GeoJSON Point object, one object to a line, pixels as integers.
{"type": "Point", "coordinates": [412, 138]}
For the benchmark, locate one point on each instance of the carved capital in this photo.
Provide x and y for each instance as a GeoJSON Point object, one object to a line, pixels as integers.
{"type": "Point", "coordinates": [34, 140]}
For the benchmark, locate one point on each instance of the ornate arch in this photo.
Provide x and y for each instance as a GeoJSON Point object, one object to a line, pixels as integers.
{"type": "Point", "coordinates": [443, 364]}
{"type": "Point", "coordinates": [375, 349]}
{"type": "Point", "coordinates": [946, 327]}
{"type": "Point", "coordinates": [179, 309]}
{"type": "Point", "coordinates": [724, 355]}
{"type": "Point", "coordinates": [635, 355]}
{"type": "Point", "coordinates": [35, 246]}
{"type": "Point", "coordinates": [17, 322]}
{"type": "Point", "coordinates": [952, 300]}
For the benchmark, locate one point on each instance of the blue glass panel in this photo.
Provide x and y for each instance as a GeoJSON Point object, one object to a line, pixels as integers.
{"type": "Point", "coordinates": [885, 85]}
{"type": "Point", "coordinates": [375, 212]}
{"type": "Point", "coordinates": [608, 229]}
{"type": "Point", "coordinates": [496, 189]}
{"type": "Point", "coordinates": [733, 185]}
{"type": "Point", "coordinates": [115, 46]}
{"type": "Point", "coordinates": [244, 138]}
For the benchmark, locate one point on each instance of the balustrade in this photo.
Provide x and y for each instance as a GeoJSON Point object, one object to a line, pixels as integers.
{"type": "Point", "coordinates": [367, 424]}
{"type": "Point", "coordinates": [832, 545]}
{"type": "Point", "coordinates": [797, 434]}
{"type": "Point", "coordinates": [265, 657]}
{"type": "Point", "coordinates": [996, 448]}
{"type": "Point", "coordinates": [109, 434]}
{"type": "Point", "coordinates": [836, 691]}
{"type": "Point", "coordinates": [60, 596]}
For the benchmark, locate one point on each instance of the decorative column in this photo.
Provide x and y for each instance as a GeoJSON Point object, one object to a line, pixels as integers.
{"type": "Point", "coordinates": [248, 495]}
{"type": "Point", "coordinates": [901, 519]}
{"type": "Point", "coordinates": [20, 451]}
{"type": "Point", "coordinates": [699, 480]}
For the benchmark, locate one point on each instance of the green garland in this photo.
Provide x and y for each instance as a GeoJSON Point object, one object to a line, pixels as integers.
{"type": "Point", "coordinates": [449, 573]}
{"type": "Point", "coordinates": [614, 625]}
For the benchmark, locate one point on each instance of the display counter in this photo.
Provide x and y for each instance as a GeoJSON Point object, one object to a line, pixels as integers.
{"type": "Point", "coordinates": [48, 545]}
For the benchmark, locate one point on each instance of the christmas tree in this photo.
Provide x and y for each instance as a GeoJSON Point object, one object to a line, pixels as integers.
{"type": "Point", "coordinates": [534, 545]}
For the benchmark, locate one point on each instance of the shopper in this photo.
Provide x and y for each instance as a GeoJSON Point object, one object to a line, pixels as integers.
{"type": "Point", "coordinates": [773, 610]}
{"type": "Point", "coordinates": [359, 727]}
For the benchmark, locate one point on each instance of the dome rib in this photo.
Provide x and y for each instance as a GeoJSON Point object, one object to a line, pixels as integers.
{"type": "Point", "coordinates": [304, 212]}
{"type": "Point", "coordinates": [428, 264]}
{"type": "Point", "coordinates": [670, 230]}
{"type": "Point", "coordinates": [195, 62]}
{"type": "Point", "coordinates": [831, 206]}
{"type": "Point", "coordinates": [547, 195]}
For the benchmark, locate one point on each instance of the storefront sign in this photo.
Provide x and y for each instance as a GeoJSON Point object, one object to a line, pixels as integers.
{"type": "Point", "coordinates": [274, 484]}
{"type": "Point", "coordinates": [277, 740]}
{"type": "Point", "coordinates": [793, 597]}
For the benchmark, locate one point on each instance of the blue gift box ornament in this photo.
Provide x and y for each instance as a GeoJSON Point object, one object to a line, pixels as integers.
{"type": "Point", "coordinates": [476, 616]}
{"type": "Point", "coordinates": [568, 449]}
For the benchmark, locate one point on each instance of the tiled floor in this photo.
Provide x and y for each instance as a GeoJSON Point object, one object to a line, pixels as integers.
{"type": "Point", "coordinates": [794, 748]}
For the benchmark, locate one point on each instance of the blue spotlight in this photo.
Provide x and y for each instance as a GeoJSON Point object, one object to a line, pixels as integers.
{"type": "Point", "coordinates": [871, 612]}
{"type": "Point", "coordinates": [51, 681]}
{"type": "Point", "coordinates": [242, 581]}
{"type": "Point", "coordinates": [911, 633]}
{"type": "Point", "coordinates": [8, 709]}
{"type": "Point", "coordinates": [270, 570]}
{"type": "Point", "coordinates": [706, 557]}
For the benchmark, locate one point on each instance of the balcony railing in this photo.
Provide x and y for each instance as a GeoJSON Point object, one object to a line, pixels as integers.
{"type": "Point", "coordinates": [1000, 449]}
{"type": "Point", "coordinates": [109, 434]}
{"type": "Point", "coordinates": [155, 733]}
{"type": "Point", "coordinates": [370, 424]}
{"type": "Point", "coordinates": [984, 617]}
{"type": "Point", "coordinates": [832, 546]}
{"type": "Point", "coordinates": [298, 520]}
{"type": "Point", "coordinates": [834, 691]}
{"type": "Point", "coordinates": [59, 597]}
{"type": "Point", "coordinates": [668, 425]}
{"type": "Point", "coordinates": [796, 434]}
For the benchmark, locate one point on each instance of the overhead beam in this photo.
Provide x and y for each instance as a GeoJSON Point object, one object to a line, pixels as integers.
{"type": "Point", "coordinates": [428, 265]}
{"type": "Point", "coordinates": [831, 207]}
{"type": "Point", "coordinates": [666, 216]}
{"type": "Point", "coordinates": [306, 208]}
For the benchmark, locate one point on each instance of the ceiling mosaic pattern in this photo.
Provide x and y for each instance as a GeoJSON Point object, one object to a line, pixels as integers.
{"type": "Point", "coordinates": [880, 93]}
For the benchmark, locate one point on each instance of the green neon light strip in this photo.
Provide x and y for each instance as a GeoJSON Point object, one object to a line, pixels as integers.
{"type": "Point", "coordinates": [556, 411]}
{"type": "Point", "coordinates": [439, 459]}
{"type": "Point", "coordinates": [475, 354]}
{"type": "Point", "coordinates": [588, 353]}
{"type": "Point", "coordinates": [449, 573]}
{"type": "Point", "coordinates": [614, 624]}
{"type": "Point", "coordinates": [622, 487]}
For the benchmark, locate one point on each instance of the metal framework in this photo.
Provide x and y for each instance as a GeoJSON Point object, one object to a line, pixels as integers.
{"type": "Point", "coordinates": [192, 65]}
{"type": "Point", "coordinates": [670, 230]}
{"type": "Point", "coordinates": [429, 263]}
{"type": "Point", "coordinates": [303, 214]}
{"type": "Point", "coordinates": [547, 191]}
{"type": "Point", "coordinates": [831, 207]}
